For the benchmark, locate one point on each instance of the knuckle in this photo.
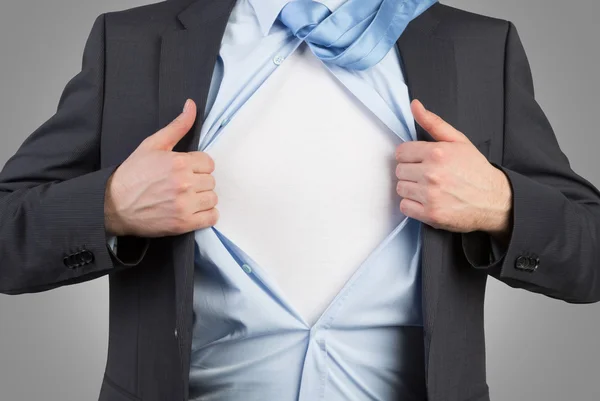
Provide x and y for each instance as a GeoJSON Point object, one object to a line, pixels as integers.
{"type": "Point", "coordinates": [179, 207]}
{"type": "Point", "coordinates": [403, 207]}
{"type": "Point", "coordinates": [179, 161]}
{"type": "Point", "coordinates": [212, 183]}
{"type": "Point", "coordinates": [432, 177]}
{"type": "Point", "coordinates": [204, 161]}
{"type": "Point", "coordinates": [399, 188]}
{"type": "Point", "coordinates": [399, 151]}
{"type": "Point", "coordinates": [210, 199]}
{"type": "Point", "coordinates": [181, 184]}
{"type": "Point", "coordinates": [438, 154]}
{"type": "Point", "coordinates": [210, 163]}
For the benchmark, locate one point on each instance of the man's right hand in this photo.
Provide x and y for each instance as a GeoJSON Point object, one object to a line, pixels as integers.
{"type": "Point", "coordinates": [158, 192]}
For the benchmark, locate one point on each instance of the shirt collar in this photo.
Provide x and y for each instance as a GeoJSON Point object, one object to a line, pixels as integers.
{"type": "Point", "coordinates": [267, 11]}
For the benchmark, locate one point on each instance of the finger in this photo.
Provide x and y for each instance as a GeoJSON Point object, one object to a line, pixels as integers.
{"type": "Point", "coordinates": [410, 190]}
{"type": "Point", "coordinates": [439, 129]}
{"type": "Point", "coordinates": [205, 200]}
{"type": "Point", "coordinates": [203, 219]}
{"type": "Point", "coordinates": [203, 182]}
{"type": "Point", "coordinates": [201, 162]}
{"type": "Point", "coordinates": [413, 209]}
{"type": "Point", "coordinates": [412, 151]}
{"type": "Point", "coordinates": [410, 171]}
{"type": "Point", "coordinates": [167, 137]}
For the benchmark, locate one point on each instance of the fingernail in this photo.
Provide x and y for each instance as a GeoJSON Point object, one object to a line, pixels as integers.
{"type": "Point", "coordinates": [186, 105]}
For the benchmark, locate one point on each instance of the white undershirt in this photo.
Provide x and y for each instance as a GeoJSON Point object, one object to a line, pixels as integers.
{"type": "Point", "coordinates": [305, 179]}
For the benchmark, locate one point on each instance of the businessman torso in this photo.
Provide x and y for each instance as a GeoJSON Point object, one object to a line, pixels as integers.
{"type": "Point", "coordinates": [152, 66]}
{"type": "Point", "coordinates": [139, 67]}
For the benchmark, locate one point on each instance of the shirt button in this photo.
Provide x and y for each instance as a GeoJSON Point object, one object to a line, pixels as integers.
{"type": "Point", "coordinates": [246, 268]}
{"type": "Point", "coordinates": [176, 333]}
{"type": "Point", "coordinates": [278, 60]}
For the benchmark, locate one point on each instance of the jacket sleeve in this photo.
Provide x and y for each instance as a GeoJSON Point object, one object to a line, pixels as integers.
{"type": "Point", "coordinates": [554, 245]}
{"type": "Point", "coordinates": [52, 192]}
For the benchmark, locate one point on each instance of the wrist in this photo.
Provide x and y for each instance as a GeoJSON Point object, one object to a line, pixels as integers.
{"type": "Point", "coordinates": [499, 213]}
{"type": "Point", "coordinates": [113, 222]}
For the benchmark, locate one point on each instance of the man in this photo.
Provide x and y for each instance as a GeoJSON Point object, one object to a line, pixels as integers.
{"type": "Point", "coordinates": [306, 284]}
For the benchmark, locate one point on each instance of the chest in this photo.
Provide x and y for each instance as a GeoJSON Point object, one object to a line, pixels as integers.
{"type": "Point", "coordinates": [304, 173]}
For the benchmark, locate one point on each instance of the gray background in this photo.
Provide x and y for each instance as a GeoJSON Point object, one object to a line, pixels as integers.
{"type": "Point", "coordinates": [53, 345]}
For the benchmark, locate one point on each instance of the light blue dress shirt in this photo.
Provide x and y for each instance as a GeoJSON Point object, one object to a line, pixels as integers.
{"type": "Point", "coordinates": [248, 343]}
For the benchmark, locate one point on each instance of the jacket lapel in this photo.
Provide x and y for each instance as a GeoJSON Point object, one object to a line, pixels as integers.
{"type": "Point", "coordinates": [429, 66]}
{"type": "Point", "coordinates": [187, 60]}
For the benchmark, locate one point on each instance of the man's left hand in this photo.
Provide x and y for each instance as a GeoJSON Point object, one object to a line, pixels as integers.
{"type": "Point", "coordinates": [449, 184]}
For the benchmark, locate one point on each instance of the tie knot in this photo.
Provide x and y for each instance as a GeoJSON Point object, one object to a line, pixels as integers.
{"type": "Point", "coordinates": [357, 34]}
{"type": "Point", "coordinates": [301, 16]}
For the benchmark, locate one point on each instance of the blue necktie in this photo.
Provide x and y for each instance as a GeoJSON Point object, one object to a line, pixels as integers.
{"type": "Point", "coordinates": [358, 34]}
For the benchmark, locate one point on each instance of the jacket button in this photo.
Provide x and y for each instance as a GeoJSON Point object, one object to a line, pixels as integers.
{"type": "Point", "coordinates": [70, 261]}
{"type": "Point", "coordinates": [79, 259]}
{"type": "Point", "coordinates": [87, 256]}
{"type": "Point", "coordinates": [524, 263]}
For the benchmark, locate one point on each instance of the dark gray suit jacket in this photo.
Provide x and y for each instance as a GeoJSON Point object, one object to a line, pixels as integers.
{"type": "Point", "coordinates": [139, 66]}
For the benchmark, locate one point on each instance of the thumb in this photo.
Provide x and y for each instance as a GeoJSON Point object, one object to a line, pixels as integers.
{"type": "Point", "coordinates": [439, 129]}
{"type": "Point", "coordinates": [167, 137]}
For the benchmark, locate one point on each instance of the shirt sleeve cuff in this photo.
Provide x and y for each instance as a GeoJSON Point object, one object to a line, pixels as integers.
{"type": "Point", "coordinates": [112, 243]}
